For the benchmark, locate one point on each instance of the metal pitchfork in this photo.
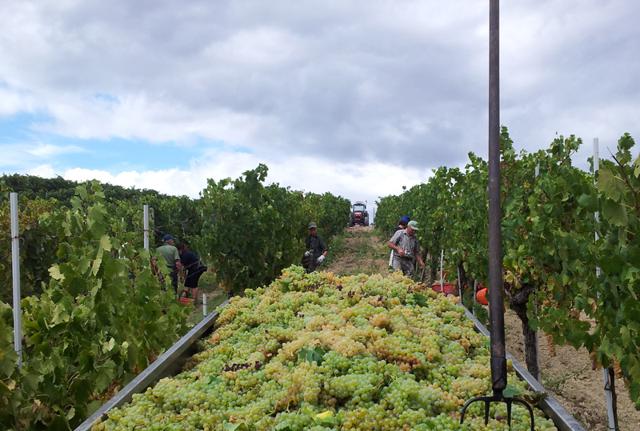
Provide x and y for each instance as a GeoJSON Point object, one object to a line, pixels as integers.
{"type": "Point", "coordinates": [496, 303]}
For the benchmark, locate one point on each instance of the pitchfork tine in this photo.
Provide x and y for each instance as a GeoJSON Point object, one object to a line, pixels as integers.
{"type": "Point", "coordinates": [467, 404]}
{"type": "Point", "coordinates": [528, 406]}
{"type": "Point", "coordinates": [486, 412]}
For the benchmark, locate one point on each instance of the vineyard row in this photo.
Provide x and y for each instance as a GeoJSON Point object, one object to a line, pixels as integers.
{"type": "Point", "coordinates": [93, 313]}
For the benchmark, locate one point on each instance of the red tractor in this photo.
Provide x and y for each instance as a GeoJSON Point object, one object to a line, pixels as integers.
{"type": "Point", "coordinates": [359, 214]}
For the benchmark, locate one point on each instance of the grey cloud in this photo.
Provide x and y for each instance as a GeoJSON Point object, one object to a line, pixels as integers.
{"type": "Point", "coordinates": [398, 82]}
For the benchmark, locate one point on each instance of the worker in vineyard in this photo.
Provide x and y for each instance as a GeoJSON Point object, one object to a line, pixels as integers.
{"type": "Point", "coordinates": [402, 224]}
{"type": "Point", "coordinates": [316, 249]}
{"type": "Point", "coordinates": [406, 249]}
{"type": "Point", "coordinates": [193, 269]}
{"type": "Point", "coordinates": [171, 256]}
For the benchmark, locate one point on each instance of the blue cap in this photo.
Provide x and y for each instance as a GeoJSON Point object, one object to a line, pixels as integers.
{"type": "Point", "coordinates": [404, 219]}
{"type": "Point", "coordinates": [167, 237]}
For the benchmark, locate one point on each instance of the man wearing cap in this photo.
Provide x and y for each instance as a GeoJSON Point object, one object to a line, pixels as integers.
{"type": "Point", "coordinates": [402, 224]}
{"type": "Point", "coordinates": [171, 256]}
{"type": "Point", "coordinates": [316, 249]}
{"type": "Point", "coordinates": [406, 249]}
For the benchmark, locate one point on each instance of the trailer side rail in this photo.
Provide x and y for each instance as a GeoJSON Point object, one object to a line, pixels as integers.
{"type": "Point", "coordinates": [561, 418]}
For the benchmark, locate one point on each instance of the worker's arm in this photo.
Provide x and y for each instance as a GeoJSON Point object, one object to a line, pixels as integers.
{"type": "Point", "coordinates": [324, 249]}
{"type": "Point", "coordinates": [398, 250]}
{"type": "Point", "coordinates": [176, 259]}
{"type": "Point", "coordinates": [393, 243]}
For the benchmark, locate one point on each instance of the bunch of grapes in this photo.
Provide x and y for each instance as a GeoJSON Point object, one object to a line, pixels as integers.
{"type": "Point", "coordinates": [326, 353]}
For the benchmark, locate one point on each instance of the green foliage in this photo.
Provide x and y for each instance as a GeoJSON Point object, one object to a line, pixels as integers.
{"type": "Point", "coordinates": [614, 306]}
{"type": "Point", "coordinates": [37, 245]}
{"type": "Point", "coordinates": [93, 312]}
{"type": "Point", "coordinates": [178, 215]}
{"type": "Point", "coordinates": [451, 209]}
{"type": "Point", "coordinates": [550, 254]}
{"type": "Point", "coordinates": [252, 231]}
{"type": "Point", "coordinates": [99, 320]}
{"type": "Point", "coordinates": [38, 198]}
{"type": "Point", "coordinates": [330, 212]}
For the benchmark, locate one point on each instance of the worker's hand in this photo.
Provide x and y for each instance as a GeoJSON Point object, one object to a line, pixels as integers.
{"type": "Point", "coordinates": [307, 253]}
{"type": "Point", "coordinates": [400, 252]}
{"type": "Point", "coordinates": [320, 259]}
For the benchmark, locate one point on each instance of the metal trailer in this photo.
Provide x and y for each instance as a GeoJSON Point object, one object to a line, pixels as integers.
{"type": "Point", "coordinates": [170, 362]}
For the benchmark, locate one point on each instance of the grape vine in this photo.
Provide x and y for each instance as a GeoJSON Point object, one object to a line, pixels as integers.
{"type": "Point", "coordinates": [550, 254]}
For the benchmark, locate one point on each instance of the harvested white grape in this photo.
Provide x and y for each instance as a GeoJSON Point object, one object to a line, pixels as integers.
{"type": "Point", "coordinates": [321, 352]}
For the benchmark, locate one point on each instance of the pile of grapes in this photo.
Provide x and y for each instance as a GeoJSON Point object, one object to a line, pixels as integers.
{"type": "Point", "coordinates": [320, 352]}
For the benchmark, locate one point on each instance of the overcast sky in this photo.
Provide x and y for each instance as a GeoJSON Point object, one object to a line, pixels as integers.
{"type": "Point", "coordinates": [354, 97]}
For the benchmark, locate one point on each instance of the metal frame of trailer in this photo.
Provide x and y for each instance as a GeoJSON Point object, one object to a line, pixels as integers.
{"type": "Point", "coordinates": [166, 364]}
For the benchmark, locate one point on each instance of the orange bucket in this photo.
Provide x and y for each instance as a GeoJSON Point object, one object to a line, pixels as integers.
{"type": "Point", "coordinates": [481, 296]}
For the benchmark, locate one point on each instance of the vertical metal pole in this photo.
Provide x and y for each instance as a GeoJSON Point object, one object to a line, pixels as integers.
{"type": "Point", "coordinates": [536, 173]}
{"type": "Point", "coordinates": [475, 300]}
{"type": "Point", "coordinates": [145, 216]}
{"type": "Point", "coordinates": [459, 286]}
{"type": "Point", "coordinates": [608, 377]}
{"type": "Point", "coordinates": [596, 168]}
{"type": "Point", "coordinates": [441, 274]}
{"type": "Point", "coordinates": [496, 310]}
{"type": "Point", "coordinates": [15, 274]}
{"type": "Point", "coordinates": [204, 304]}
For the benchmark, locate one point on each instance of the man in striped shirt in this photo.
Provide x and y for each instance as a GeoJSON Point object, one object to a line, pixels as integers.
{"type": "Point", "coordinates": [406, 249]}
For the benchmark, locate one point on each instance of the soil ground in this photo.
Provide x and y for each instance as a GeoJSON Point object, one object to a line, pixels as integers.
{"type": "Point", "coordinates": [568, 374]}
{"type": "Point", "coordinates": [358, 251]}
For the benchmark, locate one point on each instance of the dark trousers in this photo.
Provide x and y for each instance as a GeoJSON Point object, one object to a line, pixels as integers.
{"type": "Point", "coordinates": [174, 279]}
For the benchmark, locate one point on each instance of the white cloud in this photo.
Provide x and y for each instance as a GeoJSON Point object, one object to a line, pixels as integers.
{"type": "Point", "coordinates": [356, 181]}
{"type": "Point", "coordinates": [13, 101]}
{"type": "Point", "coordinates": [24, 156]}
{"type": "Point", "coordinates": [141, 117]}
{"type": "Point", "coordinates": [43, 171]}
{"type": "Point", "coordinates": [49, 150]}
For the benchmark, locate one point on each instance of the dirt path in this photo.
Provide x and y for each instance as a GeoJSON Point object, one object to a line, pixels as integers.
{"type": "Point", "coordinates": [358, 251]}
{"type": "Point", "coordinates": [567, 374]}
